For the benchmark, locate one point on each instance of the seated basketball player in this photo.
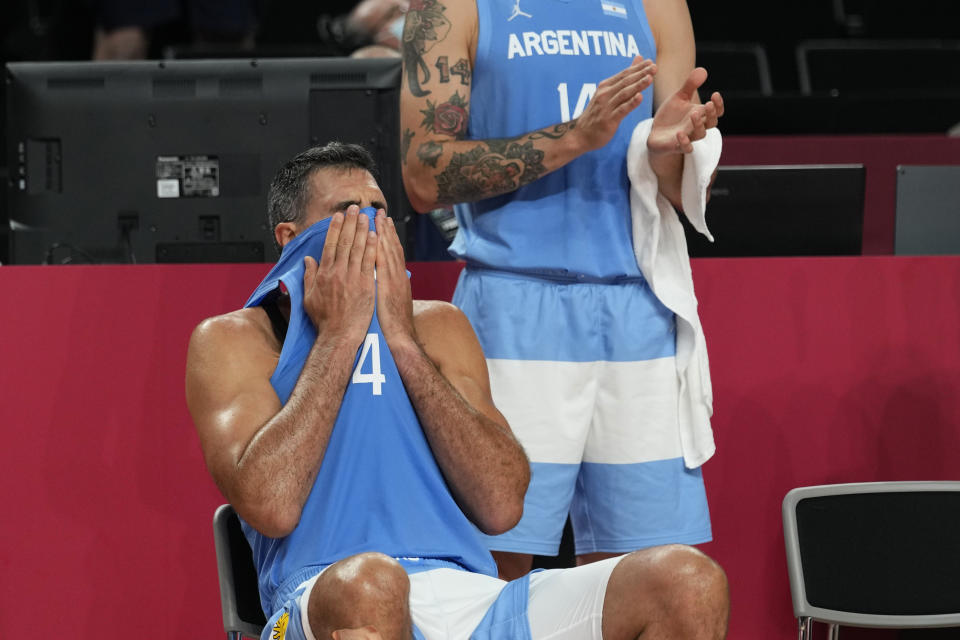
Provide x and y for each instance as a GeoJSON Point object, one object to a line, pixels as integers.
{"type": "Point", "coordinates": [352, 429]}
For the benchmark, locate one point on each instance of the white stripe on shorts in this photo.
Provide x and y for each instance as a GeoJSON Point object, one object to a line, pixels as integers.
{"type": "Point", "coordinates": [606, 412]}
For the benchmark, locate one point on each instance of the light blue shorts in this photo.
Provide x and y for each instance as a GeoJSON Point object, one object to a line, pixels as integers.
{"type": "Point", "coordinates": [585, 374]}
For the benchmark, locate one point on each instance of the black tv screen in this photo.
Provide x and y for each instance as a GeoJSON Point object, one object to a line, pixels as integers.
{"type": "Point", "coordinates": [783, 210]}
{"type": "Point", "coordinates": [171, 161]}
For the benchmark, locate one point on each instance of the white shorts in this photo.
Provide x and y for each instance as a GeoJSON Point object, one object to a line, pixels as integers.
{"type": "Point", "coordinates": [452, 604]}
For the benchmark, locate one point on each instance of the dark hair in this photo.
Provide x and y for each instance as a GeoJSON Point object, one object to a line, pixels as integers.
{"type": "Point", "coordinates": [290, 188]}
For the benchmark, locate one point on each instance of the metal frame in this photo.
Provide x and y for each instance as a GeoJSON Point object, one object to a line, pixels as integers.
{"type": "Point", "coordinates": [235, 626]}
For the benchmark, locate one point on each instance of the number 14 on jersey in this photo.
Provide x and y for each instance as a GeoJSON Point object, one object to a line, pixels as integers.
{"type": "Point", "coordinates": [586, 92]}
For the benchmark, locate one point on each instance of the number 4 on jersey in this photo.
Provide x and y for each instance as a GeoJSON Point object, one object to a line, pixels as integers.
{"type": "Point", "coordinates": [371, 347]}
{"type": "Point", "coordinates": [586, 92]}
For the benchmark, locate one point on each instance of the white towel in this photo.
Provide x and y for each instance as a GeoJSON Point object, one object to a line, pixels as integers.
{"type": "Point", "coordinates": [661, 251]}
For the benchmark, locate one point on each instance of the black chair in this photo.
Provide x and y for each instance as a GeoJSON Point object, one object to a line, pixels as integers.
{"type": "Point", "coordinates": [239, 595]}
{"type": "Point", "coordinates": [879, 554]}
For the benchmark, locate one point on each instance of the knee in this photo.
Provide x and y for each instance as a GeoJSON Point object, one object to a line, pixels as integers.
{"type": "Point", "coordinates": [365, 589]}
{"type": "Point", "coordinates": [689, 575]}
{"type": "Point", "coordinates": [687, 585]}
{"type": "Point", "coordinates": [371, 578]}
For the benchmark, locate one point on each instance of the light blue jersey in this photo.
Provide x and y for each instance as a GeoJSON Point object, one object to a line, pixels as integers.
{"type": "Point", "coordinates": [537, 64]}
{"type": "Point", "coordinates": [379, 487]}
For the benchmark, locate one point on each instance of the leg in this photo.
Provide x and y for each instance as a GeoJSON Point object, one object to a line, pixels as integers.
{"type": "Point", "coordinates": [359, 597]}
{"type": "Point", "coordinates": [666, 592]}
{"type": "Point", "coordinates": [511, 565]}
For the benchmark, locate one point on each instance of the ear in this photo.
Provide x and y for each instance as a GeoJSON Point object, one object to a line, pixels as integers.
{"type": "Point", "coordinates": [284, 233]}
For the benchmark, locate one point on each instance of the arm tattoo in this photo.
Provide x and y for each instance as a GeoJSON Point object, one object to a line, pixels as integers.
{"type": "Point", "coordinates": [444, 68]}
{"type": "Point", "coordinates": [495, 166]}
{"type": "Point", "coordinates": [462, 69]}
{"type": "Point", "coordinates": [405, 144]}
{"type": "Point", "coordinates": [429, 153]}
{"type": "Point", "coordinates": [558, 131]}
{"type": "Point", "coordinates": [424, 27]}
{"type": "Point", "coordinates": [447, 118]}
{"type": "Point", "coordinates": [490, 168]}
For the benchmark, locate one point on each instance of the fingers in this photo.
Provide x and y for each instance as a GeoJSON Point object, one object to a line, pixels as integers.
{"type": "Point", "coordinates": [369, 260]}
{"type": "Point", "coordinates": [361, 236]}
{"type": "Point", "coordinates": [389, 251]}
{"type": "Point", "coordinates": [710, 115]}
{"type": "Point", "coordinates": [347, 235]}
{"type": "Point", "coordinates": [629, 98]}
{"type": "Point", "coordinates": [636, 72]}
{"type": "Point", "coordinates": [693, 82]}
{"type": "Point", "coordinates": [329, 254]}
{"type": "Point", "coordinates": [716, 100]}
{"type": "Point", "coordinates": [698, 120]}
{"type": "Point", "coordinates": [713, 110]}
{"type": "Point", "coordinates": [626, 92]}
{"type": "Point", "coordinates": [349, 245]}
{"type": "Point", "coordinates": [309, 272]}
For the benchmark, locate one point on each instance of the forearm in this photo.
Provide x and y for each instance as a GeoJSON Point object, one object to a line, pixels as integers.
{"type": "Point", "coordinates": [484, 465]}
{"type": "Point", "coordinates": [669, 171]}
{"type": "Point", "coordinates": [443, 172]}
{"type": "Point", "coordinates": [279, 465]}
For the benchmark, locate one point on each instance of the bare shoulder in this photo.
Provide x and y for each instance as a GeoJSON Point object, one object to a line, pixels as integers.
{"type": "Point", "coordinates": [239, 341]}
{"type": "Point", "coordinates": [444, 331]}
{"type": "Point", "coordinates": [434, 310]}
{"type": "Point", "coordinates": [248, 326]}
{"type": "Point", "coordinates": [436, 316]}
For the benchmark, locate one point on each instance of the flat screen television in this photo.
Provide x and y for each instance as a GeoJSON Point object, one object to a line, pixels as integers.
{"type": "Point", "coordinates": [783, 210]}
{"type": "Point", "coordinates": [171, 161]}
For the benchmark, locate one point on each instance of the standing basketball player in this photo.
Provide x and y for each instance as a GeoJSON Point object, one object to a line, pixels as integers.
{"type": "Point", "coordinates": [520, 113]}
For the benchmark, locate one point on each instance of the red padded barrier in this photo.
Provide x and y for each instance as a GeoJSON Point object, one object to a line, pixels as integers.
{"type": "Point", "coordinates": [825, 370]}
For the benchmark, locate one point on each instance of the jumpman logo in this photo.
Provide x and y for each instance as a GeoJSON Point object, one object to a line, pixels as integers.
{"type": "Point", "coordinates": [517, 11]}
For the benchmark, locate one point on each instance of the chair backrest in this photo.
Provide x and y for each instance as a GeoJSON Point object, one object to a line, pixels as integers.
{"type": "Point", "coordinates": [878, 66]}
{"type": "Point", "coordinates": [239, 594]}
{"type": "Point", "coordinates": [881, 554]}
{"type": "Point", "coordinates": [735, 68]}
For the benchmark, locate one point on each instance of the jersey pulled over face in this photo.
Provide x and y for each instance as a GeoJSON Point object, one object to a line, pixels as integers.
{"type": "Point", "coordinates": [335, 189]}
